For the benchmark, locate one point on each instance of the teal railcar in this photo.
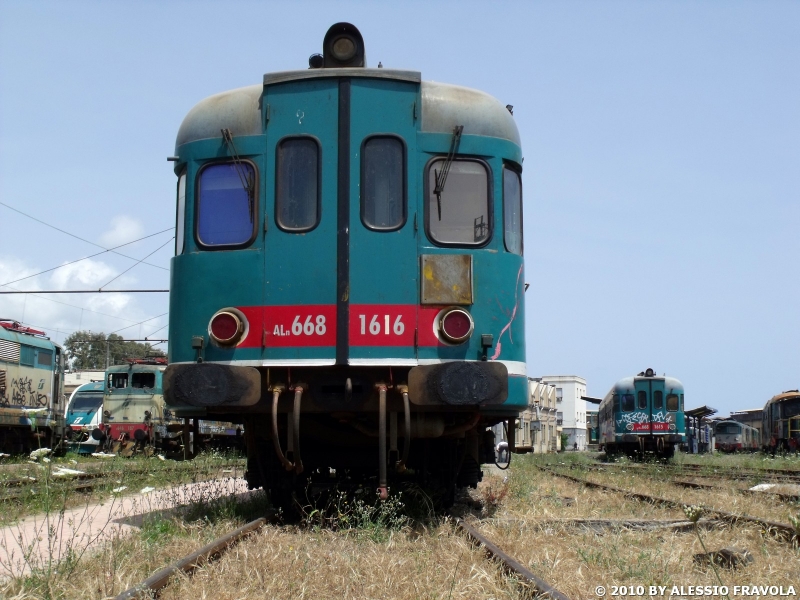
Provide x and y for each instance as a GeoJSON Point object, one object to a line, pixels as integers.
{"type": "Point", "coordinates": [32, 400]}
{"type": "Point", "coordinates": [348, 276]}
{"type": "Point", "coordinates": [643, 414]}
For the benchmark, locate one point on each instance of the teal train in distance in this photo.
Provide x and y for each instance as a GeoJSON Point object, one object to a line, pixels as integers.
{"type": "Point", "coordinates": [348, 279]}
{"type": "Point", "coordinates": [643, 414]}
{"type": "Point", "coordinates": [32, 401]}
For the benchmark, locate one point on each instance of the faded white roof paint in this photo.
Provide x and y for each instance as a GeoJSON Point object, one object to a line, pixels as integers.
{"type": "Point", "coordinates": [443, 107]}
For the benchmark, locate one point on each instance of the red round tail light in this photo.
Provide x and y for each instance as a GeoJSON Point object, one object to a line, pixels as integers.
{"type": "Point", "coordinates": [226, 327]}
{"type": "Point", "coordinates": [456, 325]}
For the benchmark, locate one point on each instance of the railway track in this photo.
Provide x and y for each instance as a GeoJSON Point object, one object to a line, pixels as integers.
{"type": "Point", "coordinates": [532, 585]}
{"type": "Point", "coordinates": [779, 530]}
{"type": "Point", "coordinates": [537, 585]}
{"type": "Point", "coordinates": [188, 564]}
{"type": "Point", "coordinates": [775, 475]}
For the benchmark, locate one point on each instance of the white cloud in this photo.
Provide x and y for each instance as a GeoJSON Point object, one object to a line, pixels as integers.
{"type": "Point", "coordinates": [123, 229]}
{"type": "Point", "coordinates": [61, 315]}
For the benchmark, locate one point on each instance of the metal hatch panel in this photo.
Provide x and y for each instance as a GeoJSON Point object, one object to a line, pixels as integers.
{"type": "Point", "coordinates": [446, 279]}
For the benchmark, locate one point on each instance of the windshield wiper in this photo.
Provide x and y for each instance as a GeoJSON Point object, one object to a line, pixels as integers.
{"type": "Point", "coordinates": [441, 177]}
{"type": "Point", "coordinates": [247, 179]}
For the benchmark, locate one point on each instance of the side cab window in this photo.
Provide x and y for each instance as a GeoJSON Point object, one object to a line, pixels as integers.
{"type": "Point", "coordinates": [226, 205]}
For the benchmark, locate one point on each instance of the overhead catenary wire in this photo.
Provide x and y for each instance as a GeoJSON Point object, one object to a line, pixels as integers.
{"type": "Point", "coordinates": [94, 312]}
{"type": "Point", "coordinates": [138, 262]}
{"type": "Point", "coordinates": [78, 237]}
{"type": "Point", "coordinates": [97, 254]}
{"type": "Point", "coordinates": [140, 323]}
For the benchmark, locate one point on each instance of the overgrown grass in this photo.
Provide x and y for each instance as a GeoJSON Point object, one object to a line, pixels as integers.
{"type": "Point", "coordinates": [45, 491]}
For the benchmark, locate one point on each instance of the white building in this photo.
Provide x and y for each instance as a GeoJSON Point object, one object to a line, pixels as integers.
{"type": "Point", "coordinates": [571, 409]}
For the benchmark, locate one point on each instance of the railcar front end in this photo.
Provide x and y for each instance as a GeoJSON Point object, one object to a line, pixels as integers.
{"type": "Point", "coordinates": [134, 415]}
{"type": "Point", "coordinates": [84, 415]}
{"type": "Point", "coordinates": [643, 414]}
{"type": "Point", "coordinates": [781, 422]}
{"type": "Point", "coordinates": [732, 436]}
{"type": "Point", "coordinates": [31, 389]}
{"type": "Point", "coordinates": [348, 279]}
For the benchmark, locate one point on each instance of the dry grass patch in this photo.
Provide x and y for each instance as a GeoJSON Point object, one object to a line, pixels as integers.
{"type": "Point", "coordinates": [765, 506]}
{"type": "Point", "coordinates": [278, 562]}
{"type": "Point", "coordinates": [537, 494]}
{"type": "Point", "coordinates": [575, 560]}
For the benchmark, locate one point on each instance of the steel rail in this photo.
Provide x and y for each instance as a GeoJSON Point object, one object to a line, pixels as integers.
{"type": "Point", "coordinates": [160, 579]}
{"type": "Point", "coordinates": [705, 470]}
{"type": "Point", "coordinates": [709, 486]}
{"type": "Point", "coordinates": [510, 564]}
{"type": "Point", "coordinates": [780, 530]}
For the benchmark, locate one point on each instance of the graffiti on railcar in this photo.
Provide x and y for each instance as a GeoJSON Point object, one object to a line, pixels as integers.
{"type": "Point", "coordinates": [24, 391]}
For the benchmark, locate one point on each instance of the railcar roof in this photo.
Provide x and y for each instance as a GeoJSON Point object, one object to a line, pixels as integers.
{"type": "Point", "coordinates": [135, 368]}
{"type": "Point", "coordinates": [443, 107]}
{"type": "Point", "coordinates": [627, 382]}
{"type": "Point", "coordinates": [784, 396]}
{"type": "Point", "coordinates": [27, 339]}
{"type": "Point", "coordinates": [94, 386]}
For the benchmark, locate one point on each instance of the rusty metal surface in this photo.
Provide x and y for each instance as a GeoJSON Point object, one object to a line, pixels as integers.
{"type": "Point", "coordinates": [540, 585]}
{"type": "Point", "coordinates": [459, 383]}
{"type": "Point", "coordinates": [446, 279]}
{"type": "Point", "coordinates": [209, 385]}
{"type": "Point", "coordinates": [188, 564]}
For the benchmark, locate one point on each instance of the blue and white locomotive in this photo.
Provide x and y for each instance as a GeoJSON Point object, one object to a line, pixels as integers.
{"type": "Point", "coordinates": [348, 279]}
{"type": "Point", "coordinates": [643, 414]}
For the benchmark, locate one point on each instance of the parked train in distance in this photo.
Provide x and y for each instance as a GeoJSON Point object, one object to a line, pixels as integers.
{"type": "Point", "coordinates": [136, 420]}
{"type": "Point", "coordinates": [31, 389]}
{"type": "Point", "coordinates": [348, 274]}
{"type": "Point", "coordinates": [732, 436]}
{"type": "Point", "coordinates": [84, 415]}
{"type": "Point", "coordinates": [643, 414]}
{"type": "Point", "coordinates": [781, 422]}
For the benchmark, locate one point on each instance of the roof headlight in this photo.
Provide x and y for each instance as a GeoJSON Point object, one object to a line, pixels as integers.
{"type": "Point", "coordinates": [343, 48]}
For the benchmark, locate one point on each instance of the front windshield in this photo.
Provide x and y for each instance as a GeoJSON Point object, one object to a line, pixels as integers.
{"type": "Point", "coordinates": [791, 408]}
{"type": "Point", "coordinates": [86, 401]}
{"type": "Point", "coordinates": [729, 428]}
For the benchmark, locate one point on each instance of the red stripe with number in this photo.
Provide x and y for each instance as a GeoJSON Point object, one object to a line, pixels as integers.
{"type": "Point", "coordinates": [315, 325]}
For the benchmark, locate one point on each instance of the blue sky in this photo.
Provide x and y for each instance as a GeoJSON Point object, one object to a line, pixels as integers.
{"type": "Point", "coordinates": [661, 181]}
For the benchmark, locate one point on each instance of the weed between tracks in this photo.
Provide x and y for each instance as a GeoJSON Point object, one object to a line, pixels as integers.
{"type": "Point", "coordinates": [357, 548]}
{"type": "Point", "coordinates": [538, 525]}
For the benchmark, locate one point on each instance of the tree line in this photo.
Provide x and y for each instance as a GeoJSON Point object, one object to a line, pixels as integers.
{"type": "Point", "coordinates": [87, 350]}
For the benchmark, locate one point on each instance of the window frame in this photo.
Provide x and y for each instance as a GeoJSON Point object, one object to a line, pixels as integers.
{"type": "Point", "coordinates": [677, 403]}
{"type": "Point", "coordinates": [405, 181]}
{"type": "Point", "coordinates": [489, 195]}
{"type": "Point", "coordinates": [277, 183]}
{"type": "Point", "coordinates": [256, 218]}
{"type": "Point", "coordinates": [42, 352]}
{"type": "Point", "coordinates": [623, 400]}
{"type": "Point", "coordinates": [180, 225]}
{"type": "Point", "coordinates": [515, 168]}
{"type": "Point", "coordinates": [658, 395]}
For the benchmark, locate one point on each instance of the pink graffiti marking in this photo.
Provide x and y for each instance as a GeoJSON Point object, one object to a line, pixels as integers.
{"type": "Point", "coordinates": [499, 346]}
